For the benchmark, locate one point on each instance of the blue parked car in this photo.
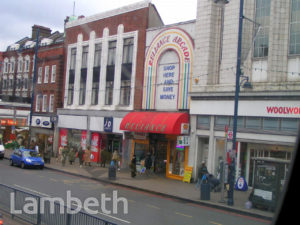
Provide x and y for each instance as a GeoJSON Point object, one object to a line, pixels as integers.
{"type": "Point", "coordinates": [26, 158]}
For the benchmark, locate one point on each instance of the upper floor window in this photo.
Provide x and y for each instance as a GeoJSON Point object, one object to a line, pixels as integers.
{"type": "Point", "coordinates": [46, 77]}
{"type": "Point", "coordinates": [85, 52]}
{"type": "Point", "coordinates": [20, 66]}
{"type": "Point", "coordinates": [12, 67]}
{"type": "Point", "coordinates": [27, 63]}
{"type": "Point", "coordinates": [294, 47]}
{"type": "Point", "coordinates": [45, 104]}
{"type": "Point", "coordinates": [110, 72]}
{"type": "Point", "coordinates": [97, 57]}
{"type": "Point", "coordinates": [6, 67]}
{"type": "Point", "coordinates": [40, 73]}
{"type": "Point", "coordinates": [51, 103]}
{"type": "Point", "coordinates": [73, 59]}
{"type": "Point", "coordinates": [262, 17]}
{"type": "Point", "coordinates": [53, 73]}
{"type": "Point", "coordinates": [38, 102]}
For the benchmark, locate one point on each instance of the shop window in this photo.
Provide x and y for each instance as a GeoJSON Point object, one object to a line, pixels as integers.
{"type": "Point", "coordinates": [270, 124]}
{"type": "Point", "coordinates": [253, 123]}
{"type": "Point", "coordinates": [203, 121]}
{"type": "Point", "coordinates": [289, 125]}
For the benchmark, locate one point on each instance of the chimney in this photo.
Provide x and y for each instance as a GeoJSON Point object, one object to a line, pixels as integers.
{"type": "Point", "coordinates": [44, 31]}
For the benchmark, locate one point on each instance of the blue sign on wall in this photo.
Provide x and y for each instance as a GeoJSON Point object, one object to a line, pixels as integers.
{"type": "Point", "coordinates": [108, 124]}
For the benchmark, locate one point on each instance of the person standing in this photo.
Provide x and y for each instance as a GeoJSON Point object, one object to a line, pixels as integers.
{"type": "Point", "coordinates": [87, 156]}
{"type": "Point", "coordinates": [104, 154]}
{"type": "Point", "coordinates": [65, 152]}
{"type": "Point", "coordinates": [201, 172]}
{"type": "Point", "coordinates": [116, 159]}
{"type": "Point", "coordinates": [72, 155]}
{"type": "Point", "coordinates": [80, 156]}
{"type": "Point", "coordinates": [133, 166]}
{"type": "Point", "coordinates": [148, 163]}
{"type": "Point", "coordinates": [59, 154]}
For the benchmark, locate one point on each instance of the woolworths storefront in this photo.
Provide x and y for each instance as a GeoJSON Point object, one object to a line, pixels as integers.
{"type": "Point", "coordinates": [266, 128]}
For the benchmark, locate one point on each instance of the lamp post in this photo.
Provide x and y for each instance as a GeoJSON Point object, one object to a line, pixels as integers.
{"type": "Point", "coordinates": [236, 103]}
{"type": "Point", "coordinates": [33, 85]}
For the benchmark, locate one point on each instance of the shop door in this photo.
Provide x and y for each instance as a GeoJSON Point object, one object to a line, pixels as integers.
{"type": "Point", "coordinates": [161, 157]}
{"type": "Point", "coordinates": [177, 160]}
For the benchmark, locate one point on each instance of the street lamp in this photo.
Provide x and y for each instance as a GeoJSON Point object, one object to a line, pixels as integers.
{"type": "Point", "coordinates": [236, 102]}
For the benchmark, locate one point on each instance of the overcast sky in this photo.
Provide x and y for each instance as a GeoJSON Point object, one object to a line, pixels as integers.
{"type": "Point", "coordinates": [18, 16]}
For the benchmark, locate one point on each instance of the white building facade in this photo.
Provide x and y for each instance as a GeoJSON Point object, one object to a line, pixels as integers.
{"type": "Point", "coordinates": [269, 112]}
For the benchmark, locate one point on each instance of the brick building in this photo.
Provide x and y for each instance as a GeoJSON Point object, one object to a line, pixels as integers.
{"type": "Point", "coordinates": [17, 76]}
{"type": "Point", "coordinates": [104, 76]}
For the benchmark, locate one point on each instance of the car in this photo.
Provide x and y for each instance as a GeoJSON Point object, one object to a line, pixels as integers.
{"type": "Point", "coordinates": [2, 151]}
{"type": "Point", "coordinates": [26, 158]}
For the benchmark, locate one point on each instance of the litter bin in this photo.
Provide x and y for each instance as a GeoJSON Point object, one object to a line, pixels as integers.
{"type": "Point", "coordinates": [112, 172]}
{"type": "Point", "coordinates": [205, 191]}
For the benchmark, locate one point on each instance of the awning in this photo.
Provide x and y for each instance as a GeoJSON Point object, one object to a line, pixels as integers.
{"type": "Point", "coordinates": [156, 122]}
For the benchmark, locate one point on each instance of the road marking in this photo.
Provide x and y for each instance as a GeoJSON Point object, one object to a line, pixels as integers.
{"type": "Point", "coordinates": [113, 217]}
{"type": "Point", "coordinates": [212, 222]}
{"type": "Point", "coordinates": [152, 206]}
{"type": "Point", "coordinates": [54, 180]}
{"type": "Point", "coordinates": [182, 214]}
{"type": "Point", "coordinates": [31, 190]}
{"type": "Point", "coordinates": [130, 200]}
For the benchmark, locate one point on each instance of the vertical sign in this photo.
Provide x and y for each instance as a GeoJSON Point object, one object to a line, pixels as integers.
{"type": "Point", "coordinates": [108, 124]}
{"type": "Point", "coordinates": [95, 144]}
{"type": "Point", "coordinates": [63, 137]}
{"type": "Point", "coordinates": [83, 139]}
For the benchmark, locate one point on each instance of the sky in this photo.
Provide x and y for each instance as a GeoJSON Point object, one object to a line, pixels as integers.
{"type": "Point", "coordinates": [18, 16]}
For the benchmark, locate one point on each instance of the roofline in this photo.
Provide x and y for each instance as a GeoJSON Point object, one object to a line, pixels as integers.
{"type": "Point", "coordinates": [110, 13]}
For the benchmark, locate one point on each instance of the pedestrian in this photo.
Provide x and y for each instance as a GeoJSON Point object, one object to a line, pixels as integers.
{"type": "Point", "coordinates": [65, 152]}
{"type": "Point", "coordinates": [133, 166]}
{"type": "Point", "coordinates": [148, 163]}
{"type": "Point", "coordinates": [116, 159]}
{"type": "Point", "coordinates": [87, 156]}
{"type": "Point", "coordinates": [80, 156]}
{"type": "Point", "coordinates": [47, 155]}
{"type": "Point", "coordinates": [59, 154]}
{"type": "Point", "coordinates": [72, 155]}
{"type": "Point", "coordinates": [104, 154]}
{"type": "Point", "coordinates": [201, 172]}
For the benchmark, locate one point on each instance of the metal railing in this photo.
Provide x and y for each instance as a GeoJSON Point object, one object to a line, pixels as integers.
{"type": "Point", "coordinates": [53, 212]}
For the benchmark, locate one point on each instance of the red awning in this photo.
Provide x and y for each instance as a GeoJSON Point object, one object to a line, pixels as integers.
{"type": "Point", "coordinates": [155, 122]}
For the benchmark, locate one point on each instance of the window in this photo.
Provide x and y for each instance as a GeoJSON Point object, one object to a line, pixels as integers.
{"type": "Point", "coordinates": [110, 72]}
{"type": "Point", "coordinates": [289, 125]}
{"type": "Point", "coordinates": [40, 73]}
{"type": "Point", "coordinates": [25, 84]}
{"type": "Point", "coordinates": [222, 121]}
{"type": "Point", "coordinates": [73, 59]}
{"type": "Point", "coordinates": [203, 121]}
{"type": "Point", "coordinates": [270, 124]}
{"type": "Point", "coordinates": [11, 84]}
{"type": "Point", "coordinates": [262, 17]}
{"type": "Point", "coordinates": [294, 47]}
{"type": "Point", "coordinates": [71, 76]}
{"type": "Point", "coordinates": [83, 75]}
{"type": "Point", "coordinates": [46, 77]}
{"type": "Point", "coordinates": [253, 122]}
{"type": "Point", "coordinates": [20, 66]}
{"type": "Point", "coordinates": [126, 72]}
{"type": "Point", "coordinates": [96, 74]}
{"type": "Point", "coordinates": [38, 102]}
{"type": "Point", "coordinates": [12, 67]}
{"type": "Point", "coordinates": [85, 52]}
{"type": "Point", "coordinates": [27, 62]}
{"type": "Point", "coordinates": [51, 103]}
{"type": "Point", "coordinates": [4, 84]}
{"type": "Point", "coordinates": [5, 67]}
{"type": "Point", "coordinates": [53, 73]}
{"type": "Point", "coordinates": [97, 57]}
{"type": "Point", "coordinates": [45, 103]}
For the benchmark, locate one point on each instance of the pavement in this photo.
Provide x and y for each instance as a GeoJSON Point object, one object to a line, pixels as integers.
{"type": "Point", "coordinates": [159, 185]}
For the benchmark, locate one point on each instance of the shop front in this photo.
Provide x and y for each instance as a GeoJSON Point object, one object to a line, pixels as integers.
{"type": "Point", "coordinates": [159, 134]}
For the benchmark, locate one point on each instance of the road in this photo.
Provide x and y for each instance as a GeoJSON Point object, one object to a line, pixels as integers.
{"type": "Point", "coordinates": [143, 208]}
